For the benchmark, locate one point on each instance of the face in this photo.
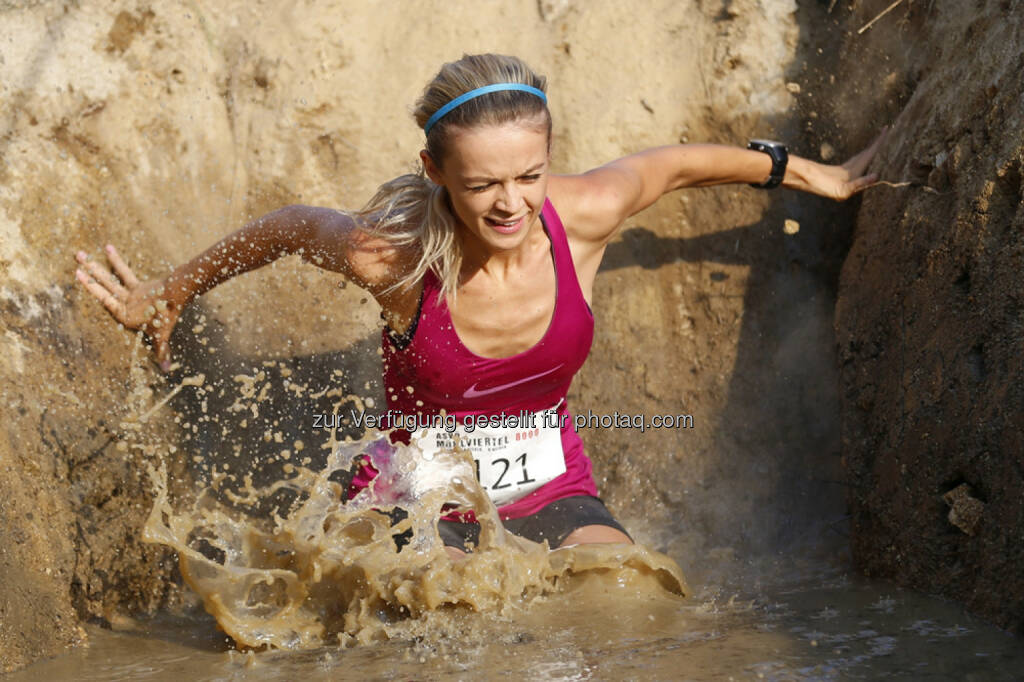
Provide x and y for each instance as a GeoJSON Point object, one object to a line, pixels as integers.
{"type": "Point", "coordinates": [497, 178]}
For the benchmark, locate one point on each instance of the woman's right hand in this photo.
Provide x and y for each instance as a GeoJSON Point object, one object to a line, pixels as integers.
{"type": "Point", "coordinates": [144, 306]}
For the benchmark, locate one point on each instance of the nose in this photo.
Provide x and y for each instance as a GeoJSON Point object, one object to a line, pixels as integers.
{"type": "Point", "coordinates": [510, 200]}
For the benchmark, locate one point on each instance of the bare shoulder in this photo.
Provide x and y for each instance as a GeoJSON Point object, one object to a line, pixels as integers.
{"type": "Point", "coordinates": [355, 246]}
{"type": "Point", "coordinates": [368, 253]}
{"type": "Point", "coordinates": [593, 204]}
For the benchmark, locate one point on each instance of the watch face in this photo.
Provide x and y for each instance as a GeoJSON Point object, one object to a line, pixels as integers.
{"type": "Point", "coordinates": [767, 144]}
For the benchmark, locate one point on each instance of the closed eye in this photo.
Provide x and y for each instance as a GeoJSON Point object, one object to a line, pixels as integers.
{"type": "Point", "coordinates": [533, 177]}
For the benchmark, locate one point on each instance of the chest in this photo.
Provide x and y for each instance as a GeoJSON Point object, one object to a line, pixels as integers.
{"type": "Point", "coordinates": [500, 321]}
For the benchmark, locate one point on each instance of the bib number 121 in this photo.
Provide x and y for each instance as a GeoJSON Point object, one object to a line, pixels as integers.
{"type": "Point", "coordinates": [500, 473]}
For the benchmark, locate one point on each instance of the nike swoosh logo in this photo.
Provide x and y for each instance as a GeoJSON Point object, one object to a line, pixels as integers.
{"type": "Point", "coordinates": [472, 391]}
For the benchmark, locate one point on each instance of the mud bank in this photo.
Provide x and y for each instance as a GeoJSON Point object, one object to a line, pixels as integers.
{"type": "Point", "coordinates": [161, 127]}
{"type": "Point", "coordinates": [930, 310]}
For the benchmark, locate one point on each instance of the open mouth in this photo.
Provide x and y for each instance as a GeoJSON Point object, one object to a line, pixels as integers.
{"type": "Point", "coordinates": [506, 226]}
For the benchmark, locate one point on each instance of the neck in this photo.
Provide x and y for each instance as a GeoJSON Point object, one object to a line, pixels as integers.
{"type": "Point", "coordinates": [478, 257]}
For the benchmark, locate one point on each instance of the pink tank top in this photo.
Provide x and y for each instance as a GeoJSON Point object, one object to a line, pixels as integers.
{"type": "Point", "coordinates": [444, 374]}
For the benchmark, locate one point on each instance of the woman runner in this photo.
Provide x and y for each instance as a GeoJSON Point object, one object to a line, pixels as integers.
{"type": "Point", "coordinates": [483, 264]}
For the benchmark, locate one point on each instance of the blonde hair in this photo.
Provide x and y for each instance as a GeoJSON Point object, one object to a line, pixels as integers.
{"type": "Point", "coordinates": [411, 209]}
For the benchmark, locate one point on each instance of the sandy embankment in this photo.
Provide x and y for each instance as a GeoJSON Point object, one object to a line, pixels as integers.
{"type": "Point", "coordinates": [162, 126]}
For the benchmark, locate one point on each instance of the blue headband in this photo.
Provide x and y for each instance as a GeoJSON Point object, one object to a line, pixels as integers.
{"type": "Point", "coordinates": [472, 94]}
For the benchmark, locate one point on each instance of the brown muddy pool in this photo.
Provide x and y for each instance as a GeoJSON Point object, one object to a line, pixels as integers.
{"type": "Point", "coordinates": [325, 585]}
{"type": "Point", "coordinates": [823, 625]}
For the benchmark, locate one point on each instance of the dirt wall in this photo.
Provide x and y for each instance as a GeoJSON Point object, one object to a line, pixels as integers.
{"type": "Point", "coordinates": [930, 321]}
{"type": "Point", "coordinates": [163, 126]}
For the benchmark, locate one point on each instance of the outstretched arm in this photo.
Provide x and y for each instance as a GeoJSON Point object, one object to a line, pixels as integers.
{"type": "Point", "coordinates": [603, 198]}
{"type": "Point", "coordinates": [325, 237]}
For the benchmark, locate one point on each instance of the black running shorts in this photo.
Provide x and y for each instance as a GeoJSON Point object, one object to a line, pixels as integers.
{"type": "Point", "coordinates": [553, 523]}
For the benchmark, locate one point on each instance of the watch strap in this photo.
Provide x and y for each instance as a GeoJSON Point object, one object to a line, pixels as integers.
{"type": "Point", "coordinates": [779, 156]}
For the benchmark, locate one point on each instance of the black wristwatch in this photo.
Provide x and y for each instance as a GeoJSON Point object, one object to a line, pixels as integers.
{"type": "Point", "coordinates": [779, 155]}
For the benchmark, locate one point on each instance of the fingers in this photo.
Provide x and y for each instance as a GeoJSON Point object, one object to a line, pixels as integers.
{"type": "Point", "coordinates": [862, 183]}
{"type": "Point", "coordinates": [160, 333]}
{"type": "Point", "coordinates": [856, 166]}
{"type": "Point", "coordinates": [121, 268]}
{"type": "Point", "coordinates": [108, 299]}
{"type": "Point", "coordinates": [162, 346]}
{"type": "Point", "coordinates": [859, 163]}
{"type": "Point", "coordinates": [124, 297]}
{"type": "Point", "coordinates": [103, 276]}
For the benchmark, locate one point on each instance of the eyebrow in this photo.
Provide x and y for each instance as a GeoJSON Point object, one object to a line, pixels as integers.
{"type": "Point", "coordinates": [528, 171]}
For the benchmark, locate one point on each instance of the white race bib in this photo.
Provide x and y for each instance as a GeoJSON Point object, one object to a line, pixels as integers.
{"type": "Point", "coordinates": [514, 455]}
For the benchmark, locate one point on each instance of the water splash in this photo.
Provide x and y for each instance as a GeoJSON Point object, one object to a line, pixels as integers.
{"type": "Point", "coordinates": [328, 569]}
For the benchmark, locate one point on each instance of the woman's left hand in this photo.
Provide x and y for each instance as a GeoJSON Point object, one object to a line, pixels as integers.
{"type": "Point", "coordinates": [836, 182]}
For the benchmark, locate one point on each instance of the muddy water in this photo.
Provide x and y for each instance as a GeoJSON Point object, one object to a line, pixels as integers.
{"type": "Point", "coordinates": [327, 569]}
{"type": "Point", "coordinates": [822, 626]}
{"type": "Point", "coordinates": [322, 581]}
